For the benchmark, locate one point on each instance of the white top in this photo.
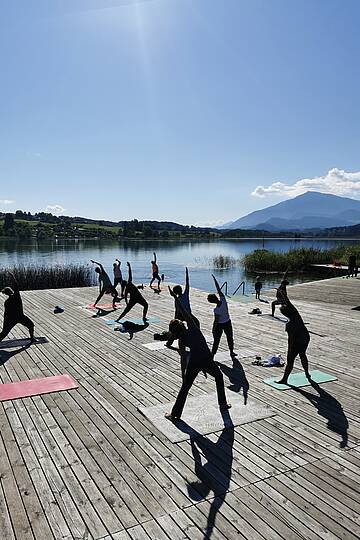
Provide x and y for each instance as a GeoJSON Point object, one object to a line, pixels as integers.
{"type": "Point", "coordinates": [222, 311]}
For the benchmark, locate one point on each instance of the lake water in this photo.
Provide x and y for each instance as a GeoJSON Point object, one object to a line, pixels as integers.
{"type": "Point", "coordinates": [173, 256]}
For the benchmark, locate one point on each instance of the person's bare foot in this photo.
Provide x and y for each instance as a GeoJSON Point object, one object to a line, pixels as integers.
{"type": "Point", "coordinates": [282, 381]}
{"type": "Point", "coordinates": [225, 407]}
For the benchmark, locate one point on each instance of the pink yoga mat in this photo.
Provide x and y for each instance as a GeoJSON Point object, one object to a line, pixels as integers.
{"type": "Point", "coordinates": [36, 387]}
{"type": "Point", "coordinates": [99, 306]}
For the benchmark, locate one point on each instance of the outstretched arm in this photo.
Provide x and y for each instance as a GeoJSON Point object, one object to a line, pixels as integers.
{"type": "Point", "coordinates": [15, 283]}
{"type": "Point", "coordinates": [130, 272]}
{"type": "Point", "coordinates": [219, 291]}
{"type": "Point", "coordinates": [155, 257]}
{"type": "Point", "coordinates": [99, 264]}
{"type": "Point", "coordinates": [187, 281]}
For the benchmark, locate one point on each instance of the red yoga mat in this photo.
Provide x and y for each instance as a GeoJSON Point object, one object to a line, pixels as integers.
{"type": "Point", "coordinates": [36, 387]}
{"type": "Point", "coordinates": [99, 306]}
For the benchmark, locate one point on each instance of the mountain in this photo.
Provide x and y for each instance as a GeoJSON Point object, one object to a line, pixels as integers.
{"type": "Point", "coordinates": [311, 210]}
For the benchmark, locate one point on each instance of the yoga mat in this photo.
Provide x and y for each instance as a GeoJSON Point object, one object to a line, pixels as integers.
{"type": "Point", "coordinates": [111, 322]}
{"type": "Point", "coordinates": [36, 387]}
{"type": "Point", "coordinates": [225, 356]}
{"type": "Point", "coordinates": [299, 379]}
{"type": "Point", "coordinates": [201, 416]}
{"type": "Point", "coordinates": [156, 345]}
{"type": "Point", "coordinates": [98, 306]}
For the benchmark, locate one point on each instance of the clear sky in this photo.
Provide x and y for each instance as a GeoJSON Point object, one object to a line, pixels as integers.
{"type": "Point", "coordinates": [195, 111]}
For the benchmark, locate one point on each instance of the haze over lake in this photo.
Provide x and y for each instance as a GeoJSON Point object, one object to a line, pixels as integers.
{"type": "Point", "coordinates": [172, 256]}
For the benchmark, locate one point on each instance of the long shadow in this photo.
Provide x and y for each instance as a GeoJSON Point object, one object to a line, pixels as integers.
{"type": "Point", "coordinates": [11, 343]}
{"type": "Point", "coordinates": [6, 355]}
{"type": "Point", "coordinates": [330, 408]}
{"type": "Point", "coordinates": [102, 313]}
{"type": "Point", "coordinates": [237, 378]}
{"type": "Point", "coordinates": [213, 470]}
{"type": "Point", "coordinates": [128, 327]}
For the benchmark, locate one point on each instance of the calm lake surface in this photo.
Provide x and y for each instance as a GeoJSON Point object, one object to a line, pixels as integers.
{"type": "Point", "coordinates": [172, 257]}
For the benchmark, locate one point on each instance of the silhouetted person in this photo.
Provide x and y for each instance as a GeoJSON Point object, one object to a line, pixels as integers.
{"type": "Point", "coordinates": [352, 266]}
{"type": "Point", "coordinates": [258, 287]}
{"type": "Point", "coordinates": [155, 272]}
{"type": "Point", "coordinates": [105, 285]}
{"type": "Point", "coordinates": [222, 321]}
{"type": "Point", "coordinates": [14, 312]}
{"type": "Point", "coordinates": [135, 297]}
{"type": "Point", "coordinates": [118, 280]}
{"type": "Point", "coordinates": [200, 359]}
{"type": "Point", "coordinates": [184, 298]}
{"type": "Point", "coordinates": [298, 341]}
{"type": "Point", "coordinates": [281, 295]}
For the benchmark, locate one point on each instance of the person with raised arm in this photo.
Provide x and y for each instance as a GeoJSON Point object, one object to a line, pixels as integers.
{"type": "Point", "coordinates": [118, 280]}
{"type": "Point", "coordinates": [184, 298]}
{"type": "Point", "coordinates": [200, 359]}
{"type": "Point", "coordinates": [298, 340]}
{"type": "Point", "coordinates": [281, 294]}
{"type": "Point", "coordinates": [155, 272]}
{"type": "Point", "coordinates": [105, 285]}
{"type": "Point", "coordinates": [14, 311]}
{"type": "Point", "coordinates": [222, 321]}
{"type": "Point", "coordinates": [135, 297]}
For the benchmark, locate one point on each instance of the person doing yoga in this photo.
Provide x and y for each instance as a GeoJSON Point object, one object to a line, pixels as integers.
{"type": "Point", "coordinates": [135, 297]}
{"type": "Point", "coordinates": [105, 285]}
{"type": "Point", "coordinates": [155, 272]}
{"type": "Point", "coordinates": [118, 280]}
{"type": "Point", "coordinates": [281, 295]}
{"type": "Point", "coordinates": [298, 341]}
{"type": "Point", "coordinates": [184, 299]}
{"type": "Point", "coordinates": [200, 359]}
{"type": "Point", "coordinates": [14, 311]}
{"type": "Point", "coordinates": [222, 321]}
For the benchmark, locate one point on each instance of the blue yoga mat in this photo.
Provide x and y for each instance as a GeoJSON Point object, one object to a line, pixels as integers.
{"type": "Point", "coordinates": [135, 321]}
{"type": "Point", "coordinates": [298, 379]}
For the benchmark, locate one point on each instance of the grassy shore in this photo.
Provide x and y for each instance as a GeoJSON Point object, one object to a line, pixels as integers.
{"type": "Point", "coordinates": [299, 260]}
{"type": "Point", "coordinates": [47, 277]}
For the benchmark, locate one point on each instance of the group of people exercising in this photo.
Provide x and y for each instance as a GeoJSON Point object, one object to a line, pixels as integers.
{"type": "Point", "coordinates": [185, 327]}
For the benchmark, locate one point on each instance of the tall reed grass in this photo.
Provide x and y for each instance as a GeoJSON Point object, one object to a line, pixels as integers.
{"type": "Point", "coordinates": [262, 260]}
{"type": "Point", "coordinates": [48, 277]}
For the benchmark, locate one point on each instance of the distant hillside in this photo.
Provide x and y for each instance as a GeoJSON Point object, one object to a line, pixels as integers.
{"type": "Point", "coordinates": [312, 210]}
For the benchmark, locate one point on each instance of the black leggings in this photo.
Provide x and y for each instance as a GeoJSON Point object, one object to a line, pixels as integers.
{"type": "Point", "coordinates": [131, 304]}
{"type": "Point", "coordinates": [218, 329]}
{"type": "Point", "coordinates": [191, 373]}
{"type": "Point", "coordinates": [9, 325]}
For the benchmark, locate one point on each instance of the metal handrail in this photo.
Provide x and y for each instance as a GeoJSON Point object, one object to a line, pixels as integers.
{"type": "Point", "coordinates": [243, 286]}
{"type": "Point", "coordinates": [226, 287]}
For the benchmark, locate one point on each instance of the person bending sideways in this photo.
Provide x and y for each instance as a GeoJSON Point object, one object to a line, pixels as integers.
{"type": "Point", "coordinates": [222, 321]}
{"type": "Point", "coordinates": [281, 295]}
{"type": "Point", "coordinates": [200, 359]}
{"type": "Point", "coordinates": [184, 299]}
{"type": "Point", "coordinates": [135, 297]}
{"type": "Point", "coordinates": [118, 280]}
{"type": "Point", "coordinates": [105, 285]}
{"type": "Point", "coordinates": [14, 311]}
{"type": "Point", "coordinates": [298, 341]}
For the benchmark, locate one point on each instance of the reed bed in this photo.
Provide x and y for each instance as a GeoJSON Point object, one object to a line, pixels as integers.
{"type": "Point", "coordinates": [48, 277]}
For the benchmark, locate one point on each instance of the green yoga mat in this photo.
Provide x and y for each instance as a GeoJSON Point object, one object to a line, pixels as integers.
{"type": "Point", "coordinates": [298, 379]}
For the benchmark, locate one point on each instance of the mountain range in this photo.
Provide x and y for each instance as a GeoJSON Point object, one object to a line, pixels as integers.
{"type": "Point", "coordinates": [311, 210]}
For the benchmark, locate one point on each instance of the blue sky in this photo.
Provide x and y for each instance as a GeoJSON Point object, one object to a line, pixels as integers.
{"type": "Point", "coordinates": [195, 111]}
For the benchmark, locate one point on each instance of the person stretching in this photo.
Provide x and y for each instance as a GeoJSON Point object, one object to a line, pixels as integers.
{"type": "Point", "coordinates": [184, 299]}
{"type": "Point", "coordinates": [135, 297]}
{"type": "Point", "coordinates": [105, 285]}
{"type": "Point", "coordinates": [155, 272]}
{"type": "Point", "coordinates": [298, 341]}
{"type": "Point", "coordinates": [222, 321]}
{"type": "Point", "coordinates": [200, 359]}
{"type": "Point", "coordinates": [281, 295]}
{"type": "Point", "coordinates": [14, 312]}
{"type": "Point", "coordinates": [118, 280]}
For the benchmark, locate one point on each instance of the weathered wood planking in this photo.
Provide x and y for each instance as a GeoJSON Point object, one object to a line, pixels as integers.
{"type": "Point", "coordinates": [86, 464]}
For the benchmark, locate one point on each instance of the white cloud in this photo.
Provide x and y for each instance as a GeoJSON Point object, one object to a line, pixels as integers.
{"type": "Point", "coordinates": [6, 201]}
{"type": "Point", "coordinates": [55, 209]}
{"type": "Point", "coordinates": [336, 182]}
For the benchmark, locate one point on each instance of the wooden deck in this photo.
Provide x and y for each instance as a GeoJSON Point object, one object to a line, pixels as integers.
{"type": "Point", "coordinates": [85, 464]}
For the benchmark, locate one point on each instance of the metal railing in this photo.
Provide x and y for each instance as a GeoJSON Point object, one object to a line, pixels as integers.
{"type": "Point", "coordinates": [225, 284]}
{"type": "Point", "coordinates": [242, 284]}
